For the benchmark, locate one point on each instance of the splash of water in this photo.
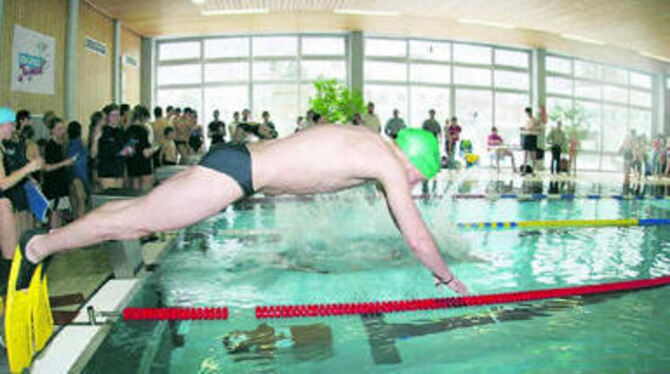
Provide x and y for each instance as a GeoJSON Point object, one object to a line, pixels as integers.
{"type": "Point", "coordinates": [452, 189]}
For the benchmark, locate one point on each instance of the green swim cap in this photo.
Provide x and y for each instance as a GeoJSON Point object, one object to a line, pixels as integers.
{"type": "Point", "coordinates": [422, 150]}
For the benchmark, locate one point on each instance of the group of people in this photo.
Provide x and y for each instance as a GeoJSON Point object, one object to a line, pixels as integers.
{"type": "Point", "coordinates": [56, 166]}
{"type": "Point", "coordinates": [643, 158]}
{"type": "Point", "coordinates": [451, 129]}
{"type": "Point", "coordinates": [241, 129]}
{"type": "Point", "coordinates": [534, 140]}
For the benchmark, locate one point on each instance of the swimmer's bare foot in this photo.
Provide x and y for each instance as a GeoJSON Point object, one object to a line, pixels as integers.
{"type": "Point", "coordinates": [31, 253]}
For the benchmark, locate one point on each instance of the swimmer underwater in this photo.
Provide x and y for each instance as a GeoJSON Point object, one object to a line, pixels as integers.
{"type": "Point", "coordinates": [340, 157]}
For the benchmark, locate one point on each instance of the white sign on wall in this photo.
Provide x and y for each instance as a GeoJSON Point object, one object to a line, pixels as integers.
{"type": "Point", "coordinates": [33, 61]}
{"type": "Point", "coordinates": [130, 61]}
{"type": "Point", "coordinates": [96, 46]}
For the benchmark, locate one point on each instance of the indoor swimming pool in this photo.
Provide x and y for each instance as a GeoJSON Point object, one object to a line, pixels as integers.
{"type": "Point", "coordinates": [345, 248]}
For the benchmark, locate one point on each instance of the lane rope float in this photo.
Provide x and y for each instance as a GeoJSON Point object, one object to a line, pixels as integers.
{"type": "Point", "coordinates": [339, 309]}
{"type": "Point", "coordinates": [626, 222]}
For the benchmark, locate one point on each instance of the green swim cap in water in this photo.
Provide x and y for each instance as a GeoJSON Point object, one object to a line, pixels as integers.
{"type": "Point", "coordinates": [422, 150]}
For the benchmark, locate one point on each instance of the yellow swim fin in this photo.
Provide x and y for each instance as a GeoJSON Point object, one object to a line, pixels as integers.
{"type": "Point", "coordinates": [24, 307]}
{"type": "Point", "coordinates": [18, 335]}
{"type": "Point", "coordinates": [43, 323]}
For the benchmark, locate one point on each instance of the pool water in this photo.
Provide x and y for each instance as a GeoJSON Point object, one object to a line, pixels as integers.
{"type": "Point", "coordinates": [345, 248]}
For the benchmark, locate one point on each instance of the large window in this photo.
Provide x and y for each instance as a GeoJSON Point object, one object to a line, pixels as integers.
{"type": "Point", "coordinates": [262, 73]}
{"type": "Point", "coordinates": [481, 85]}
{"type": "Point", "coordinates": [614, 100]}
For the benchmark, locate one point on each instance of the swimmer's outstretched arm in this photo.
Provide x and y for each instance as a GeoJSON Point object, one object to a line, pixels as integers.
{"type": "Point", "coordinates": [410, 223]}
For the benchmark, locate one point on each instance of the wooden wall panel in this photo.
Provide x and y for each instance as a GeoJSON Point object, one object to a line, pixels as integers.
{"type": "Point", "coordinates": [131, 45]}
{"type": "Point", "coordinates": [95, 86]}
{"type": "Point", "coordinates": [46, 17]}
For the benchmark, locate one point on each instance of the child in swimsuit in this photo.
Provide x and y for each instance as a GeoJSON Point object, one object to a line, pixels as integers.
{"type": "Point", "coordinates": [572, 153]}
{"type": "Point", "coordinates": [656, 159]}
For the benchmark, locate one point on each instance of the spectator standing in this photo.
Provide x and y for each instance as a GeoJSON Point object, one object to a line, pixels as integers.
{"type": "Point", "coordinates": [232, 127]}
{"type": "Point", "coordinates": [139, 161]}
{"type": "Point", "coordinates": [79, 176]}
{"type": "Point", "coordinates": [572, 152]}
{"type": "Point", "coordinates": [453, 136]}
{"type": "Point", "coordinates": [394, 125]}
{"type": "Point", "coordinates": [168, 154]}
{"type": "Point", "coordinates": [558, 142]}
{"type": "Point", "coordinates": [108, 141]}
{"type": "Point", "coordinates": [216, 130]}
{"type": "Point", "coordinates": [529, 140]}
{"type": "Point", "coordinates": [56, 186]}
{"type": "Point", "coordinates": [432, 125]}
{"type": "Point", "coordinates": [371, 120]}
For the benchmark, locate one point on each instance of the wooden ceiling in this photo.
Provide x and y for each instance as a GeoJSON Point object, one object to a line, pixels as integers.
{"type": "Point", "coordinates": [632, 26]}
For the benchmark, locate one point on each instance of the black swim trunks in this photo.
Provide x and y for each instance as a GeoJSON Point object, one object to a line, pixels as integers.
{"type": "Point", "coordinates": [529, 142]}
{"type": "Point", "coordinates": [233, 160]}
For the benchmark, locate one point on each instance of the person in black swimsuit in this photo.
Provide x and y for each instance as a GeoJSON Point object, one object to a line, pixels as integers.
{"type": "Point", "coordinates": [107, 144]}
{"type": "Point", "coordinates": [216, 130]}
{"type": "Point", "coordinates": [196, 138]}
{"type": "Point", "coordinates": [56, 184]}
{"type": "Point", "coordinates": [14, 172]}
{"type": "Point", "coordinates": [13, 159]}
{"type": "Point", "coordinates": [139, 164]}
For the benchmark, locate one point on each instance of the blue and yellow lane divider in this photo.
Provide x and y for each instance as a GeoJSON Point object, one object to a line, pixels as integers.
{"type": "Point", "coordinates": [540, 196]}
{"type": "Point", "coordinates": [564, 223]}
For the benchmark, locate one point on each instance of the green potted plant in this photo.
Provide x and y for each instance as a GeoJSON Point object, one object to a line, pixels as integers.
{"type": "Point", "coordinates": [335, 101]}
{"type": "Point", "coordinates": [574, 120]}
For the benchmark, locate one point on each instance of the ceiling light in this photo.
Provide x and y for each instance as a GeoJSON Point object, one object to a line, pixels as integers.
{"type": "Point", "coordinates": [656, 57]}
{"type": "Point", "coordinates": [363, 12]}
{"type": "Point", "coordinates": [235, 12]}
{"type": "Point", "coordinates": [581, 39]}
{"type": "Point", "coordinates": [485, 23]}
{"type": "Point", "coordinates": [198, 2]}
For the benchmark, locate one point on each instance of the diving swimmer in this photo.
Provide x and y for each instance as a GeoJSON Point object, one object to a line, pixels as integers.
{"type": "Point", "coordinates": [319, 159]}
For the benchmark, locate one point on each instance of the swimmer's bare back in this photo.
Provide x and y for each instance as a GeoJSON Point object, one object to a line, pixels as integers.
{"type": "Point", "coordinates": [322, 158]}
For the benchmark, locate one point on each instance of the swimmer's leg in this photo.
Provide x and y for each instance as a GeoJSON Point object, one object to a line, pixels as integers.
{"type": "Point", "coordinates": [180, 201]}
{"type": "Point", "coordinates": [7, 229]}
